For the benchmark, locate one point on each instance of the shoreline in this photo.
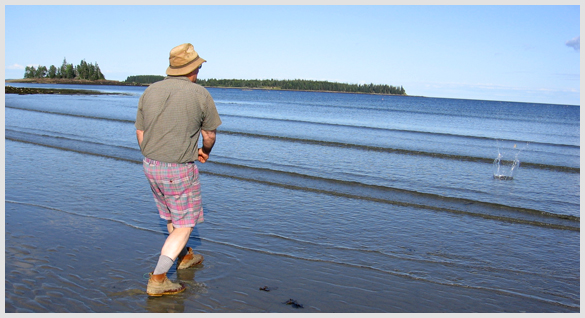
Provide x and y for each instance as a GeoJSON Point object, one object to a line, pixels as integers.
{"type": "Point", "coordinates": [118, 83]}
{"type": "Point", "coordinates": [69, 81]}
{"type": "Point", "coordinates": [57, 91]}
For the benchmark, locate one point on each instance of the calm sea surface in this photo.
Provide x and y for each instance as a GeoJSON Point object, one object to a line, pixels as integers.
{"type": "Point", "coordinates": [403, 186]}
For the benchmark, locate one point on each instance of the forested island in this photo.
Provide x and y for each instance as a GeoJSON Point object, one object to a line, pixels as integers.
{"type": "Point", "coordinates": [84, 70]}
{"type": "Point", "coordinates": [88, 73]}
{"type": "Point", "coordinates": [297, 84]}
{"type": "Point", "coordinates": [304, 85]}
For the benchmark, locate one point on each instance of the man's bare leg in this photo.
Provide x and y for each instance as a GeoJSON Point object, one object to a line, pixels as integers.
{"type": "Point", "coordinates": [176, 241]}
{"type": "Point", "coordinates": [172, 248]}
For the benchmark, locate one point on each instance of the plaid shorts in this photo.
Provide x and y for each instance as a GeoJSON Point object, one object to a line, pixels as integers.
{"type": "Point", "coordinates": [176, 191]}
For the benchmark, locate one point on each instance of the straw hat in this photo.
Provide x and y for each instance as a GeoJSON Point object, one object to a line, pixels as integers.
{"type": "Point", "coordinates": [183, 60]}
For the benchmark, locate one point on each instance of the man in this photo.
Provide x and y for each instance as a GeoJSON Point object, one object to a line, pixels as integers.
{"type": "Point", "coordinates": [171, 115]}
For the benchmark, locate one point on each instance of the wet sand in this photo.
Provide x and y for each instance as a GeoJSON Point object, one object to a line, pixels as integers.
{"type": "Point", "coordinates": [66, 251]}
{"type": "Point", "coordinates": [57, 261]}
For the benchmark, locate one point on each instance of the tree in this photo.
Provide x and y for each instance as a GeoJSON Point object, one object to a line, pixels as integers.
{"type": "Point", "coordinates": [29, 72]}
{"type": "Point", "coordinates": [52, 71]}
{"type": "Point", "coordinates": [63, 69]}
{"type": "Point", "coordinates": [82, 70]}
{"type": "Point", "coordinates": [69, 71]}
{"type": "Point", "coordinates": [97, 74]}
{"type": "Point", "coordinates": [41, 71]}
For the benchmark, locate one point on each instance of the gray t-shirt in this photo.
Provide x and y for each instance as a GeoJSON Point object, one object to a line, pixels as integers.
{"type": "Point", "coordinates": [172, 113]}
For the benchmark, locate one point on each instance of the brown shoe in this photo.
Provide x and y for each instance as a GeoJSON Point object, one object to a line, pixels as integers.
{"type": "Point", "coordinates": [159, 285]}
{"type": "Point", "coordinates": [189, 260]}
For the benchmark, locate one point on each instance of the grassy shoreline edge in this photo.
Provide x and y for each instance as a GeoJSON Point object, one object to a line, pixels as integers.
{"type": "Point", "coordinates": [57, 91]}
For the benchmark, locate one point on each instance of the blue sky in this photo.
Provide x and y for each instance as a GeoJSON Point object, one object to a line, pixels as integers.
{"type": "Point", "coordinates": [509, 53]}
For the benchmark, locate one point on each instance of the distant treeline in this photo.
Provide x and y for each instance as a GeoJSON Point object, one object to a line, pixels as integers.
{"type": "Point", "coordinates": [305, 85]}
{"type": "Point", "coordinates": [144, 79]}
{"type": "Point", "coordinates": [297, 84]}
{"type": "Point", "coordinates": [84, 70]}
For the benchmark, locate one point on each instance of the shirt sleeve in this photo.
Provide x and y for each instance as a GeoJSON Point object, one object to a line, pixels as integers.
{"type": "Point", "coordinates": [139, 123]}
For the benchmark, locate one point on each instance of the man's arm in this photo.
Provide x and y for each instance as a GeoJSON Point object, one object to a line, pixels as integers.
{"type": "Point", "coordinates": [139, 136]}
{"type": "Point", "coordinates": [208, 142]}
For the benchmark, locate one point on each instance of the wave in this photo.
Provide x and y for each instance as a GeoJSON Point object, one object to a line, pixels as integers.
{"type": "Point", "coordinates": [320, 124]}
{"type": "Point", "coordinates": [360, 146]}
{"type": "Point", "coordinates": [406, 131]}
{"type": "Point", "coordinates": [402, 151]}
{"type": "Point", "coordinates": [495, 115]}
{"type": "Point", "coordinates": [408, 258]}
{"type": "Point", "coordinates": [343, 188]}
{"type": "Point", "coordinates": [71, 115]}
{"type": "Point", "coordinates": [82, 215]}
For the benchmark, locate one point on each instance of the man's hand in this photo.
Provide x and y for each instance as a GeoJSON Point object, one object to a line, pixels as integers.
{"type": "Point", "coordinates": [202, 156]}
{"type": "Point", "coordinates": [208, 142]}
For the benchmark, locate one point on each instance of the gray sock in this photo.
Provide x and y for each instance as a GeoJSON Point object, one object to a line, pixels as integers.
{"type": "Point", "coordinates": [163, 265]}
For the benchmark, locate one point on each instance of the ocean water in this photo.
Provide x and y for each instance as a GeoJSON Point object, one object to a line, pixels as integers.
{"type": "Point", "coordinates": [393, 185]}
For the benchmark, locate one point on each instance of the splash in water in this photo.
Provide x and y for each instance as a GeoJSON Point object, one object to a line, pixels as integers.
{"type": "Point", "coordinates": [506, 169]}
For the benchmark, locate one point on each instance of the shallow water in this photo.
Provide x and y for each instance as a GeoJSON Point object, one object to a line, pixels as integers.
{"type": "Point", "coordinates": [345, 202]}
